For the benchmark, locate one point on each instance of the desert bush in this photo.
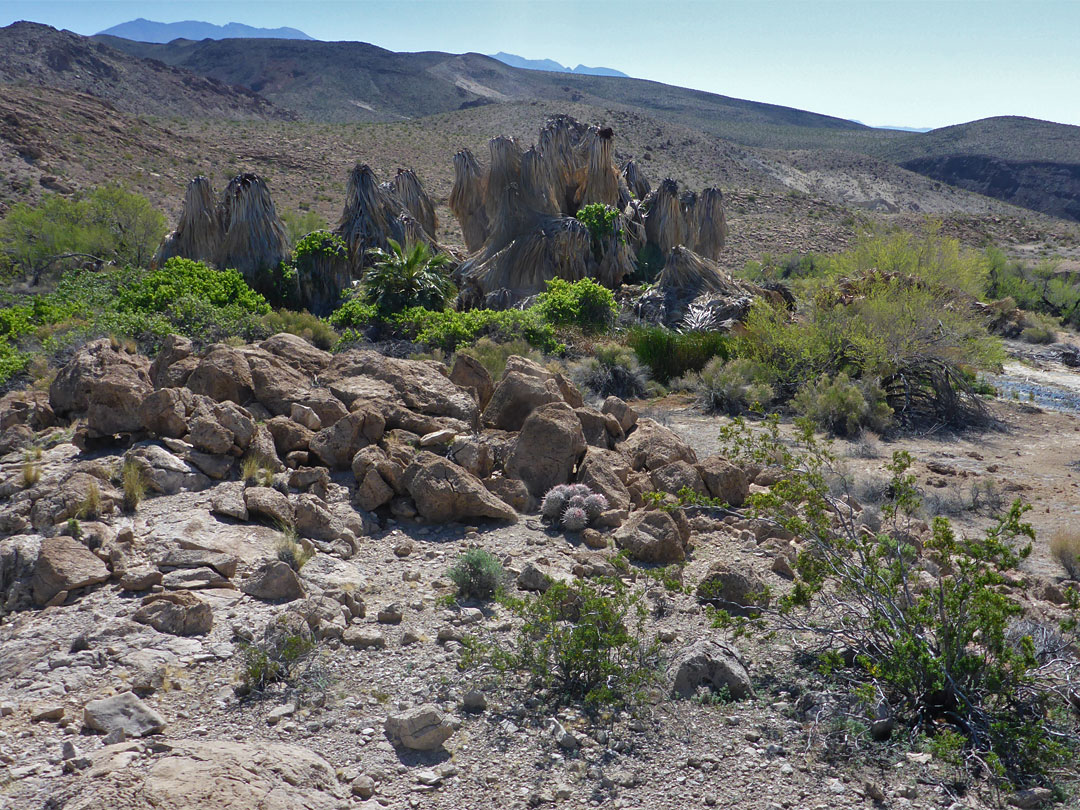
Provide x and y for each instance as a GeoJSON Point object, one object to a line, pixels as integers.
{"type": "Point", "coordinates": [583, 304]}
{"type": "Point", "coordinates": [670, 354]}
{"type": "Point", "coordinates": [478, 574]}
{"type": "Point", "coordinates": [1041, 288]}
{"type": "Point", "coordinates": [287, 654]}
{"type": "Point", "coordinates": [159, 290]}
{"type": "Point", "coordinates": [448, 330]}
{"type": "Point", "coordinates": [91, 505]}
{"type": "Point", "coordinates": [404, 277]}
{"type": "Point", "coordinates": [612, 370]}
{"type": "Point", "coordinates": [1065, 548]}
{"type": "Point", "coordinates": [732, 386]}
{"type": "Point", "coordinates": [293, 552]}
{"type": "Point", "coordinates": [107, 223]}
{"type": "Point", "coordinates": [937, 657]}
{"type": "Point", "coordinates": [600, 221]}
{"type": "Point", "coordinates": [842, 406]}
{"type": "Point", "coordinates": [583, 641]}
{"type": "Point", "coordinates": [134, 484]}
{"type": "Point", "coordinates": [311, 328]}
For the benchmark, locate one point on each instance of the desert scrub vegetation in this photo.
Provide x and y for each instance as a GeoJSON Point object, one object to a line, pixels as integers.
{"type": "Point", "coordinates": [405, 277]}
{"type": "Point", "coordinates": [611, 370]}
{"type": "Point", "coordinates": [287, 655]}
{"type": "Point", "coordinates": [477, 574]}
{"type": "Point", "coordinates": [669, 354]}
{"type": "Point", "coordinates": [914, 631]}
{"type": "Point", "coordinates": [583, 304]}
{"type": "Point", "coordinates": [578, 642]}
{"type": "Point", "coordinates": [134, 483]}
{"type": "Point", "coordinates": [1065, 548]}
{"type": "Point", "coordinates": [1042, 288]}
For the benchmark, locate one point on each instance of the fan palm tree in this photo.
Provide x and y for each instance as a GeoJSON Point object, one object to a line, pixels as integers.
{"type": "Point", "coordinates": [402, 277]}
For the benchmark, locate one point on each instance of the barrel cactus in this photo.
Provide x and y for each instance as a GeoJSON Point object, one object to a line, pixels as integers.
{"type": "Point", "coordinates": [555, 502]}
{"type": "Point", "coordinates": [574, 519]}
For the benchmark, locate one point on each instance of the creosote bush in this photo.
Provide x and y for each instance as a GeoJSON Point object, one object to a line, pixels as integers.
{"type": "Point", "coordinates": [585, 304]}
{"type": "Point", "coordinates": [842, 406]}
{"type": "Point", "coordinates": [478, 574]}
{"type": "Point", "coordinates": [931, 650]}
{"type": "Point", "coordinates": [612, 370]}
{"type": "Point", "coordinates": [581, 641]}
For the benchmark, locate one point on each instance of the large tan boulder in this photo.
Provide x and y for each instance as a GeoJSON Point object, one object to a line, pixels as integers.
{"type": "Point", "coordinates": [274, 581]}
{"type": "Point", "coordinates": [443, 492]}
{"type": "Point", "coordinates": [548, 448]}
{"type": "Point", "coordinates": [223, 374]}
{"type": "Point", "coordinates": [470, 374]}
{"type": "Point", "coordinates": [64, 564]}
{"type": "Point", "coordinates": [605, 472]}
{"type": "Point", "coordinates": [270, 505]}
{"type": "Point", "coordinates": [420, 385]}
{"type": "Point", "coordinates": [677, 476]}
{"type": "Point", "coordinates": [78, 496]}
{"type": "Point", "coordinates": [652, 537]}
{"type": "Point", "coordinates": [289, 435]}
{"type": "Point", "coordinates": [336, 445]}
{"type": "Point", "coordinates": [524, 365]}
{"type": "Point", "coordinates": [724, 480]}
{"type": "Point", "coordinates": [174, 362]}
{"type": "Point", "coordinates": [275, 383]}
{"type": "Point", "coordinates": [70, 390]}
{"type": "Point", "coordinates": [297, 352]}
{"type": "Point", "coordinates": [652, 446]}
{"type": "Point", "coordinates": [516, 396]}
{"type": "Point", "coordinates": [165, 412]}
{"type": "Point", "coordinates": [114, 400]}
{"type": "Point", "coordinates": [179, 774]}
{"type": "Point", "coordinates": [179, 613]}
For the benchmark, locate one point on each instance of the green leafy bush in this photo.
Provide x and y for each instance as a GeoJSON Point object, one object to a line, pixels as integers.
{"type": "Point", "coordinates": [448, 329]}
{"type": "Point", "coordinates": [1042, 288]}
{"type": "Point", "coordinates": [585, 641]}
{"type": "Point", "coordinates": [302, 324]}
{"type": "Point", "coordinates": [584, 304]}
{"type": "Point", "coordinates": [402, 278]}
{"type": "Point", "coordinates": [843, 406]}
{"type": "Point", "coordinates": [493, 355]}
{"type": "Point", "coordinates": [936, 647]}
{"type": "Point", "coordinates": [108, 223]}
{"type": "Point", "coordinates": [612, 370]}
{"type": "Point", "coordinates": [670, 354]}
{"type": "Point", "coordinates": [600, 220]}
{"type": "Point", "coordinates": [478, 574]}
{"type": "Point", "coordinates": [159, 290]}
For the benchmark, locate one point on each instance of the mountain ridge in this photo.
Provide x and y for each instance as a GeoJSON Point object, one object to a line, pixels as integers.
{"type": "Point", "coordinates": [143, 30]}
{"type": "Point", "coordinates": [552, 66]}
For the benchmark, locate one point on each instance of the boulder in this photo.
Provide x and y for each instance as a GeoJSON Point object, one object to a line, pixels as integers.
{"type": "Point", "coordinates": [289, 435]}
{"type": "Point", "coordinates": [274, 581]}
{"type": "Point", "coordinates": [163, 472]}
{"type": "Point", "coordinates": [473, 453]}
{"type": "Point", "coordinates": [652, 446]}
{"type": "Point", "coordinates": [326, 406]}
{"type": "Point", "coordinates": [444, 492]}
{"type": "Point", "coordinates": [515, 397]}
{"type": "Point", "coordinates": [180, 614]}
{"type": "Point", "coordinates": [596, 427]}
{"type": "Point", "coordinates": [567, 390]}
{"type": "Point", "coordinates": [122, 713]}
{"type": "Point", "coordinates": [114, 399]}
{"type": "Point", "coordinates": [421, 385]}
{"type": "Point", "coordinates": [738, 591]}
{"type": "Point", "coordinates": [605, 472]}
{"type": "Point", "coordinates": [653, 537]}
{"type": "Point", "coordinates": [64, 564]}
{"type": "Point", "coordinates": [316, 520]}
{"type": "Point", "coordinates": [275, 383]}
{"type": "Point", "coordinates": [724, 480]}
{"type": "Point", "coordinates": [709, 663]}
{"type": "Point", "coordinates": [210, 436]}
{"type": "Point", "coordinates": [548, 448]}
{"type": "Point", "coordinates": [72, 499]}
{"type": "Point", "coordinates": [358, 390]}
{"type": "Point", "coordinates": [336, 445]}
{"type": "Point", "coordinates": [470, 374]}
{"type": "Point", "coordinates": [420, 729]}
{"type": "Point", "coordinates": [175, 349]}
{"type": "Point", "coordinates": [269, 504]}
{"type": "Point", "coordinates": [28, 408]}
{"type": "Point", "coordinates": [189, 774]}
{"type": "Point", "coordinates": [165, 412]}
{"type": "Point", "coordinates": [513, 492]}
{"type": "Point", "coordinates": [69, 392]}
{"type": "Point", "coordinates": [18, 560]}
{"type": "Point", "coordinates": [627, 416]}
{"type": "Point", "coordinates": [297, 352]}
{"type": "Point", "coordinates": [676, 476]}
{"type": "Point", "coordinates": [178, 558]}
{"type": "Point", "coordinates": [228, 501]}
{"type": "Point", "coordinates": [223, 375]}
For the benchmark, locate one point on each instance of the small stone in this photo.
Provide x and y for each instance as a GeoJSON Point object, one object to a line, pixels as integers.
{"type": "Point", "coordinates": [364, 638]}
{"type": "Point", "coordinates": [51, 712]}
{"type": "Point", "coordinates": [391, 614]}
{"type": "Point", "coordinates": [363, 786]}
{"type": "Point", "coordinates": [421, 729]}
{"type": "Point", "coordinates": [429, 778]}
{"type": "Point", "coordinates": [1030, 798]}
{"type": "Point", "coordinates": [124, 712]}
{"type": "Point", "coordinates": [403, 548]}
{"type": "Point", "coordinates": [474, 701]}
{"type": "Point", "coordinates": [409, 636]}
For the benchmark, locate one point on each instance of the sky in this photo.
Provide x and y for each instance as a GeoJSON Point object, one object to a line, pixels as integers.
{"type": "Point", "coordinates": [915, 63]}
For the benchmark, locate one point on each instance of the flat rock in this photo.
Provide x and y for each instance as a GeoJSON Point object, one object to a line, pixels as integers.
{"type": "Point", "coordinates": [65, 564]}
{"type": "Point", "coordinates": [179, 614]}
{"type": "Point", "coordinates": [274, 581]}
{"type": "Point", "coordinates": [123, 712]}
{"type": "Point", "coordinates": [421, 729]}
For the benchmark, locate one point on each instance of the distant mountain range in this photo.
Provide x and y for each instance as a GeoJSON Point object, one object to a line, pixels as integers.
{"type": "Point", "coordinates": [142, 30]}
{"type": "Point", "coordinates": [551, 65]}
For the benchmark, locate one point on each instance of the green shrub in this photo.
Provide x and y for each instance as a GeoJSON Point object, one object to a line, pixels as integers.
{"type": "Point", "coordinates": [402, 278]}
{"type": "Point", "coordinates": [649, 264]}
{"type": "Point", "coordinates": [584, 304]}
{"type": "Point", "coordinates": [1041, 288]}
{"type": "Point", "coordinates": [612, 370]}
{"type": "Point", "coordinates": [478, 574]}
{"type": "Point", "coordinates": [285, 655]}
{"type": "Point", "coordinates": [448, 329]}
{"type": "Point", "coordinates": [160, 290]}
{"type": "Point", "coordinates": [311, 328]}
{"type": "Point", "coordinates": [670, 354]}
{"type": "Point", "coordinates": [584, 641]}
{"type": "Point", "coordinates": [600, 220]}
{"type": "Point", "coordinates": [354, 313]}
{"type": "Point", "coordinates": [733, 386]}
{"type": "Point", "coordinates": [940, 655]}
{"type": "Point", "coordinates": [843, 406]}
{"type": "Point", "coordinates": [299, 224]}
{"type": "Point", "coordinates": [12, 361]}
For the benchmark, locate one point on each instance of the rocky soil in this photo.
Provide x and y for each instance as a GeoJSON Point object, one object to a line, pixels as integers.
{"type": "Point", "coordinates": [124, 633]}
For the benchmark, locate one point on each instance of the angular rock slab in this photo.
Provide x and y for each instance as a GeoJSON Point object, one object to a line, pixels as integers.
{"type": "Point", "coordinates": [421, 729]}
{"type": "Point", "coordinates": [123, 712]}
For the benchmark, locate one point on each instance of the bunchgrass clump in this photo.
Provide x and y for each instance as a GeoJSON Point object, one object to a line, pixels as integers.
{"type": "Point", "coordinates": [133, 481]}
{"type": "Point", "coordinates": [292, 551]}
{"type": "Point", "coordinates": [670, 354]}
{"type": "Point", "coordinates": [612, 370]}
{"type": "Point", "coordinates": [31, 468]}
{"type": "Point", "coordinates": [91, 505]}
{"type": "Point", "coordinates": [478, 574]}
{"type": "Point", "coordinates": [1065, 548]}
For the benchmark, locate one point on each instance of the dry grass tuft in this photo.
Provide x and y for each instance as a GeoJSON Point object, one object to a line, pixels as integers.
{"type": "Point", "coordinates": [1065, 548]}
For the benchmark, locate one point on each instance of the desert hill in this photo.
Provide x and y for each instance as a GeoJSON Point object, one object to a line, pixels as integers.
{"type": "Point", "coordinates": [143, 30]}
{"type": "Point", "coordinates": [37, 55]}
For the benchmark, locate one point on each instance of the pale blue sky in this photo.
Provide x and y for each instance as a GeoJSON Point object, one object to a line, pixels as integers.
{"type": "Point", "coordinates": [883, 62]}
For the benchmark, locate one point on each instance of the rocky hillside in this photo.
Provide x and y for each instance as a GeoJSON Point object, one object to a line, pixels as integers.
{"type": "Point", "coordinates": [40, 56]}
{"type": "Point", "coordinates": [195, 512]}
